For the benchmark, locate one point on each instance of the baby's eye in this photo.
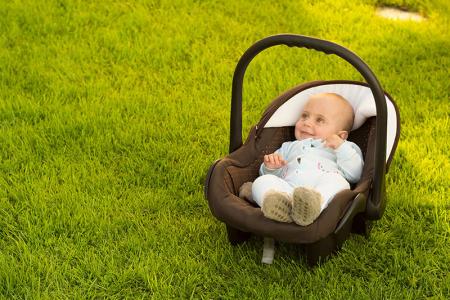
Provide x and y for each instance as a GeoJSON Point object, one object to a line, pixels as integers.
{"type": "Point", "coordinates": [320, 120]}
{"type": "Point", "coordinates": [304, 116]}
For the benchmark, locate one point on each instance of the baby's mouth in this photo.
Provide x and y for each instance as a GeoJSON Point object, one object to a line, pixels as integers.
{"type": "Point", "coordinates": [306, 134]}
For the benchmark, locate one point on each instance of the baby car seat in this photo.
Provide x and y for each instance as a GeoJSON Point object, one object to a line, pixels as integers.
{"type": "Point", "coordinates": [376, 131]}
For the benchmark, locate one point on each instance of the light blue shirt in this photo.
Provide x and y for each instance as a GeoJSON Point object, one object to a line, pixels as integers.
{"type": "Point", "coordinates": [311, 155]}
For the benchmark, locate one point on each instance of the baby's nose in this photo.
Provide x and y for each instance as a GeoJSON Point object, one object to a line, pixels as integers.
{"type": "Point", "coordinates": [308, 123]}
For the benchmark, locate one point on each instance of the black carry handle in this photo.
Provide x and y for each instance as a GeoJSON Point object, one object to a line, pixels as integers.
{"type": "Point", "coordinates": [376, 203]}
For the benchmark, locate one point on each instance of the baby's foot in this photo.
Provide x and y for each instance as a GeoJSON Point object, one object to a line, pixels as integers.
{"type": "Point", "coordinates": [245, 192]}
{"type": "Point", "coordinates": [306, 206]}
{"type": "Point", "coordinates": [277, 206]}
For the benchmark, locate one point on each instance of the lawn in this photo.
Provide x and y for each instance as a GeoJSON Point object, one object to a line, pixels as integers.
{"type": "Point", "coordinates": [112, 111]}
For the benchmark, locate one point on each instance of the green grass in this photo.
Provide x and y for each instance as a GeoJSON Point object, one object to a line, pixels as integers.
{"type": "Point", "coordinates": [112, 111]}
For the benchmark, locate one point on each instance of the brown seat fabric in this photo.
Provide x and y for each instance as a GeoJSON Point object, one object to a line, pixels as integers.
{"type": "Point", "coordinates": [243, 165]}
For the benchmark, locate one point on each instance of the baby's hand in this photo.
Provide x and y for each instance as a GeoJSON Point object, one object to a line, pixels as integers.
{"type": "Point", "coordinates": [274, 161]}
{"type": "Point", "coordinates": [333, 141]}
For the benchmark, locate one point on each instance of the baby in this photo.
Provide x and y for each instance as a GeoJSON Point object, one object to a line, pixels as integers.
{"type": "Point", "coordinates": [299, 180]}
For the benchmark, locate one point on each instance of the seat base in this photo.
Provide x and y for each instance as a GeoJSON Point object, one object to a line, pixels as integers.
{"type": "Point", "coordinates": [236, 236]}
{"type": "Point", "coordinates": [320, 251]}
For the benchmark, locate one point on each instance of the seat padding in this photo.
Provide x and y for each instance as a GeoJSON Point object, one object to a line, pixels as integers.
{"type": "Point", "coordinates": [243, 165]}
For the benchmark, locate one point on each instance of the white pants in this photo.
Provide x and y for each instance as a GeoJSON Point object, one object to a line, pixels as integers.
{"type": "Point", "coordinates": [327, 184]}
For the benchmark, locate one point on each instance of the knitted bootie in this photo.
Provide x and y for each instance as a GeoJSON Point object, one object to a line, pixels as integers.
{"type": "Point", "coordinates": [245, 192]}
{"type": "Point", "coordinates": [305, 206]}
{"type": "Point", "coordinates": [277, 206]}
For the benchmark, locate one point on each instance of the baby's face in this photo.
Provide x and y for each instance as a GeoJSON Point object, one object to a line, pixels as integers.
{"type": "Point", "coordinates": [320, 118]}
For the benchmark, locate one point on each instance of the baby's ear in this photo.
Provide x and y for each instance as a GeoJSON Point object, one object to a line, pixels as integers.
{"type": "Point", "coordinates": [343, 134]}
